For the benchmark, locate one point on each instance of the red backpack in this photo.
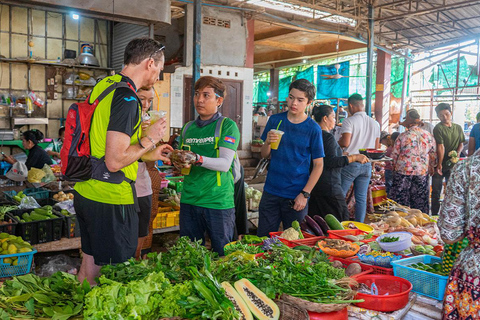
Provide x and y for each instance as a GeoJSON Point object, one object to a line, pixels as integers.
{"type": "Point", "coordinates": [76, 159]}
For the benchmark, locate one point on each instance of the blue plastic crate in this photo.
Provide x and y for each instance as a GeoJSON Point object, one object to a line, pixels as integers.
{"type": "Point", "coordinates": [36, 193]}
{"type": "Point", "coordinates": [425, 283]}
{"type": "Point", "coordinates": [24, 264]}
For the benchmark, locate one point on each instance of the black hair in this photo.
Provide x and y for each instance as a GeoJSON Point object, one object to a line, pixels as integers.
{"type": "Point", "coordinates": [33, 135]}
{"type": "Point", "coordinates": [61, 130]}
{"type": "Point", "coordinates": [305, 86]}
{"type": "Point", "coordinates": [354, 99]}
{"type": "Point", "coordinates": [320, 111]}
{"type": "Point", "coordinates": [394, 136]}
{"type": "Point", "coordinates": [443, 106]}
{"type": "Point", "coordinates": [140, 49]}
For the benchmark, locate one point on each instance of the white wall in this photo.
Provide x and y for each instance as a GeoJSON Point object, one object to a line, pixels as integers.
{"type": "Point", "coordinates": [223, 50]}
{"type": "Point", "coordinates": [245, 74]}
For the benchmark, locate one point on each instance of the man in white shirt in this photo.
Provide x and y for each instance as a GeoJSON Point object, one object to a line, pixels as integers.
{"type": "Point", "coordinates": [359, 131]}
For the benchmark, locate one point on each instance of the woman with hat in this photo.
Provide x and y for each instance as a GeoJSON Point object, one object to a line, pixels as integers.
{"type": "Point", "coordinates": [414, 158]}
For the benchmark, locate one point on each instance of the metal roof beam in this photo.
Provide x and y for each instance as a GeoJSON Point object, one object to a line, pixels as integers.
{"type": "Point", "coordinates": [445, 7]}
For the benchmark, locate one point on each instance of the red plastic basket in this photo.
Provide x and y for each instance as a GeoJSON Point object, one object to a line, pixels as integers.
{"type": "Point", "coordinates": [346, 263]}
{"type": "Point", "coordinates": [290, 243]}
{"type": "Point", "coordinates": [340, 234]}
{"type": "Point", "coordinates": [336, 315]}
{"type": "Point", "coordinates": [376, 269]}
{"type": "Point", "coordinates": [310, 242]}
{"type": "Point", "coordinates": [397, 288]}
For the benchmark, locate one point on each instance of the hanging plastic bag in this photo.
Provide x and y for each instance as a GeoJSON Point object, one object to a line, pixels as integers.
{"type": "Point", "coordinates": [18, 172]}
{"type": "Point", "coordinates": [35, 175]}
{"type": "Point", "coordinates": [49, 175]}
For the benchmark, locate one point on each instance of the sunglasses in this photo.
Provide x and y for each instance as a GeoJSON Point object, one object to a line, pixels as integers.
{"type": "Point", "coordinates": [162, 47]}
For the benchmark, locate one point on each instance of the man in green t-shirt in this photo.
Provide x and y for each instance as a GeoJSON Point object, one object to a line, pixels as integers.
{"type": "Point", "coordinates": [207, 203]}
{"type": "Point", "coordinates": [449, 137]}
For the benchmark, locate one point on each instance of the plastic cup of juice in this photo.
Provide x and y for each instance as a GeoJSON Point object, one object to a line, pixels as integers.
{"type": "Point", "coordinates": [279, 133]}
{"type": "Point", "coordinates": [156, 115]}
{"type": "Point", "coordinates": [185, 171]}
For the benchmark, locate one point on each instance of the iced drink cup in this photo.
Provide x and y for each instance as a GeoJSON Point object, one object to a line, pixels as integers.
{"type": "Point", "coordinates": [185, 171]}
{"type": "Point", "coordinates": [156, 115]}
{"type": "Point", "coordinates": [279, 133]}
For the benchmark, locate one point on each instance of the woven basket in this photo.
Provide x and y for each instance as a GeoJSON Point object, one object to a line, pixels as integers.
{"type": "Point", "coordinates": [289, 311]}
{"type": "Point", "coordinates": [313, 306]}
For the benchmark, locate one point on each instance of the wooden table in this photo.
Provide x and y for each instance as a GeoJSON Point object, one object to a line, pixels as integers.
{"type": "Point", "coordinates": [60, 245]}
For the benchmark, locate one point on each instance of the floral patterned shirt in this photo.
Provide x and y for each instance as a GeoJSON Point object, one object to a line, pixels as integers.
{"type": "Point", "coordinates": [414, 152]}
{"type": "Point", "coordinates": [460, 213]}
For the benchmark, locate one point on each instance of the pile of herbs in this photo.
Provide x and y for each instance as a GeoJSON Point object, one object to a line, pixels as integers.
{"type": "Point", "coordinates": [173, 263]}
{"type": "Point", "coordinates": [59, 297]}
{"type": "Point", "coordinates": [304, 274]}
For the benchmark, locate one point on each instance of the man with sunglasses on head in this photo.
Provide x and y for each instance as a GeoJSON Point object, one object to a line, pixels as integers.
{"type": "Point", "coordinates": [105, 205]}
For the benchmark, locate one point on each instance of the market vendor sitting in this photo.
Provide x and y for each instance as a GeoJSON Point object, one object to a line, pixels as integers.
{"type": "Point", "coordinates": [37, 157]}
{"type": "Point", "coordinates": [53, 149]}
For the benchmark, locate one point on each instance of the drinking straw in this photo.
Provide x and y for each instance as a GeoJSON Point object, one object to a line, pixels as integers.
{"type": "Point", "coordinates": [279, 124]}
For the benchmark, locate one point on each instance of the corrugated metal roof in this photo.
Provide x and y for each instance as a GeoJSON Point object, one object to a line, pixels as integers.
{"type": "Point", "coordinates": [425, 25]}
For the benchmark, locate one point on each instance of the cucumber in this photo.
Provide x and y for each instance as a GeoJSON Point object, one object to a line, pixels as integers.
{"type": "Point", "coordinates": [314, 226]}
{"type": "Point", "coordinates": [304, 248]}
{"type": "Point", "coordinates": [333, 223]}
{"type": "Point", "coordinates": [321, 222]}
{"type": "Point", "coordinates": [38, 217]}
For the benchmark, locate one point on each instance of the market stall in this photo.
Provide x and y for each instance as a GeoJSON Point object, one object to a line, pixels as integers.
{"type": "Point", "coordinates": [389, 268]}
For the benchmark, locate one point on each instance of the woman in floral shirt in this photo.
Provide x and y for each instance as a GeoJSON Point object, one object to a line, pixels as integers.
{"type": "Point", "coordinates": [414, 158]}
{"type": "Point", "coordinates": [460, 218]}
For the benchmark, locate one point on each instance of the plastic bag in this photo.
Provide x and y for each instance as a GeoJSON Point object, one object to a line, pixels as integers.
{"type": "Point", "coordinates": [35, 175]}
{"type": "Point", "coordinates": [28, 203]}
{"type": "Point", "coordinates": [49, 175]}
{"type": "Point", "coordinates": [67, 205]}
{"type": "Point", "coordinates": [59, 262]}
{"type": "Point", "coordinates": [18, 172]}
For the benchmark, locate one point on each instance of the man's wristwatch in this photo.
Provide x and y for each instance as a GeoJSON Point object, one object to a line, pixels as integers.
{"type": "Point", "coordinates": [305, 194]}
{"type": "Point", "coordinates": [199, 161]}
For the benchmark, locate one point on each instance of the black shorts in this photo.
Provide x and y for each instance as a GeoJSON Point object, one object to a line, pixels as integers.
{"type": "Point", "coordinates": [109, 232]}
{"type": "Point", "coordinates": [145, 204]}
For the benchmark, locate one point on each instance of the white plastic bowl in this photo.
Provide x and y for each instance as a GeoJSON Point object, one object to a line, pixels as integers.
{"type": "Point", "coordinates": [404, 241]}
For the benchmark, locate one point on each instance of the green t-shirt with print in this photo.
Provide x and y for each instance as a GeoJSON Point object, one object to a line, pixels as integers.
{"type": "Point", "coordinates": [450, 137]}
{"type": "Point", "coordinates": [200, 187]}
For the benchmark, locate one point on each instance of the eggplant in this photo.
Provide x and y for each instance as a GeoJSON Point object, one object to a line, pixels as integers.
{"type": "Point", "coordinates": [304, 226]}
{"type": "Point", "coordinates": [314, 226]}
{"type": "Point", "coordinates": [322, 223]}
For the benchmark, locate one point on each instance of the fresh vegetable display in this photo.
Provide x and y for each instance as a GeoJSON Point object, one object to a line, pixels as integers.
{"type": "Point", "coordinates": [4, 210]}
{"type": "Point", "coordinates": [38, 214]}
{"type": "Point", "coordinates": [290, 234]}
{"type": "Point", "coordinates": [333, 223]}
{"type": "Point", "coordinates": [62, 196]}
{"type": "Point", "coordinates": [253, 195]}
{"type": "Point", "coordinates": [19, 196]}
{"type": "Point", "coordinates": [435, 267]}
{"type": "Point", "coordinates": [389, 239]}
{"type": "Point", "coordinates": [173, 196]}
{"type": "Point", "coordinates": [11, 244]}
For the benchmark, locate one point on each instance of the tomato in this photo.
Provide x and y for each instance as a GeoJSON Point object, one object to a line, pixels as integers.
{"type": "Point", "coordinates": [438, 248]}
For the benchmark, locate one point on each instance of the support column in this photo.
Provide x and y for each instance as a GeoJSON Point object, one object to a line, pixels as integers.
{"type": "Point", "coordinates": [274, 84]}
{"type": "Point", "coordinates": [197, 38]}
{"type": "Point", "coordinates": [370, 45]}
{"type": "Point", "coordinates": [406, 76]}
{"type": "Point", "coordinates": [382, 93]}
{"type": "Point", "coordinates": [250, 43]}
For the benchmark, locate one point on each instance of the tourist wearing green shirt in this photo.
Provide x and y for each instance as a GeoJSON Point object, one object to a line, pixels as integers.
{"type": "Point", "coordinates": [449, 137]}
{"type": "Point", "coordinates": [207, 203]}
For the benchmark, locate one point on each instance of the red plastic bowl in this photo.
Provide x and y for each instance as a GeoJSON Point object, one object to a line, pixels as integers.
{"type": "Point", "coordinates": [397, 288]}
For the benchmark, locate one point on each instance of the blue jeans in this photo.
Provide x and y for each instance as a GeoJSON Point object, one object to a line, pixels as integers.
{"type": "Point", "coordinates": [218, 223]}
{"type": "Point", "coordinates": [273, 210]}
{"type": "Point", "coordinates": [358, 174]}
